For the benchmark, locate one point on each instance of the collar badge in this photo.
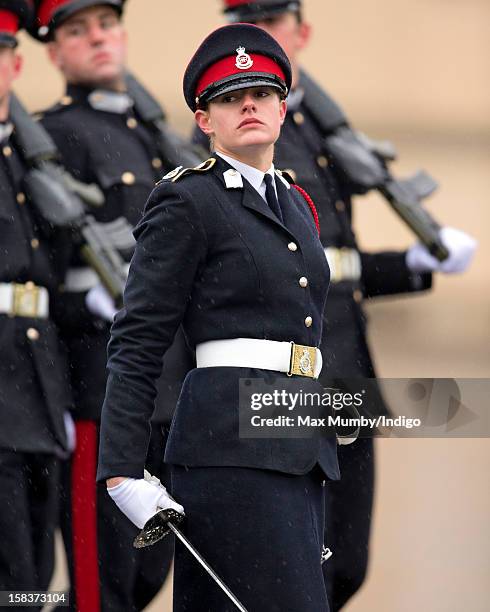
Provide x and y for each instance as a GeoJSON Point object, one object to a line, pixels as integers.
{"type": "Point", "coordinates": [233, 179]}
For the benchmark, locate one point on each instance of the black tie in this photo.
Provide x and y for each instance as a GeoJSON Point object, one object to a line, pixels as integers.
{"type": "Point", "coordinates": [271, 197]}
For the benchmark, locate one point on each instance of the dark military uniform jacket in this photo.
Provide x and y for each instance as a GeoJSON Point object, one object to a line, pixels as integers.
{"type": "Point", "coordinates": [217, 261]}
{"type": "Point", "coordinates": [301, 151]}
{"type": "Point", "coordinates": [34, 386]}
{"type": "Point", "coordinates": [107, 144]}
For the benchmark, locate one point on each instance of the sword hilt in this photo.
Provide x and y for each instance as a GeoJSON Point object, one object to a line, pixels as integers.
{"type": "Point", "coordinates": [157, 527]}
{"type": "Point", "coordinates": [164, 521]}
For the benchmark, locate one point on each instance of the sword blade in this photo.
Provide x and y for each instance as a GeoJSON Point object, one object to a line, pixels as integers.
{"type": "Point", "coordinates": [206, 566]}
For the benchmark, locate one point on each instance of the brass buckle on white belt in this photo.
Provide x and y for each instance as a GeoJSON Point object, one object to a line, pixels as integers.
{"type": "Point", "coordinates": [25, 300]}
{"type": "Point", "coordinates": [303, 360]}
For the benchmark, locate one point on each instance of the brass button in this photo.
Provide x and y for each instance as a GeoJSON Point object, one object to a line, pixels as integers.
{"type": "Point", "coordinates": [292, 246]}
{"type": "Point", "coordinates": [66, 100]}
{"type": "Point", "coordinates": [7, 151]}
{"type": "Point", "coordinates": [131, 123]}
{"type": "Point", "coordinates": [20, 197]}
{"type": "Point", "coordinates": [308, 321]}
{"type": "Point", "coordinates": [128, 178]}
{"type": "Point", "coordinates": [156, 162]}
{"type": "Point", "coordinates": [32, 333]}
{"type": "Point", "coordinates": [303, 282]}
{"type": "Point", "coordinates": [298, 118]}
{"type": "Point", "coordinates": [35, 243]}
{"type": "Point", "coordinates": [357, 295]}
{"type": "Point", "coordinates": [340, 206]}
{"type": "Point", "coordinates": [322, 161]}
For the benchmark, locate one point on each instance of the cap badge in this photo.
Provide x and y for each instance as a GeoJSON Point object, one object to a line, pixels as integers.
{"type": "Point", "coordinates": [243, 60]}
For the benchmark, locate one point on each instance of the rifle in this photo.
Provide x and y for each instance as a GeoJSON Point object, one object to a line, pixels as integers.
{"type": "Point", "coordinates": [365, 165]}
{"type": "Point", "coordinates": [63, 202]}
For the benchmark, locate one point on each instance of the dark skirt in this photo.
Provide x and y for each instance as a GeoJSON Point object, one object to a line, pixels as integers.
{"type": "Point", "coordinates": [262, 533]}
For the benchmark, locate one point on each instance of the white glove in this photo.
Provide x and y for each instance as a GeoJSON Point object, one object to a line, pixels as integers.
{"type": "Point", "coordinates": [140, 499]}
{"type": "Point", "coordinates": [100, 303]}
{"type": "Point", "coordinates": [461, 247]}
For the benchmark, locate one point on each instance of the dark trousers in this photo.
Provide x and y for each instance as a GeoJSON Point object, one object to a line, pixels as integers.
{"type": "Point", "coordinates": [261, 531]}
{"type": "Point", "coordinates": [106, 572]}
{"type": "Point", "coordinates": [348, 521]}
{"type": "Point", "coordinates": [28, 518]}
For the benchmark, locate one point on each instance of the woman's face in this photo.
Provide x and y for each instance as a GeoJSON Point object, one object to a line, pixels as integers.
{"type": "Point", "coordinates": [242, 120]}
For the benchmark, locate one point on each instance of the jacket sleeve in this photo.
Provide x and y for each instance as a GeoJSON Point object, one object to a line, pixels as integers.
{"type": "Point", "coordinates": [387, 274]}
{"type": "Point", "coordinates": [71, 312]}
{"type": "Point", "coordinates": [170, 248]}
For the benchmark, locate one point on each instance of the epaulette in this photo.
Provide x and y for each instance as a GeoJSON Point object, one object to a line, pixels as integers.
{"type": "Point", "coordinates": [177, 173]}
{"type": "Point", "coordinates": [286, 174]}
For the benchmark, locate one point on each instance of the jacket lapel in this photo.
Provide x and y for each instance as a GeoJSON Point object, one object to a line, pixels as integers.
{"type": "Point", "coordinates": [251, 199]}
{"type": "Point", "coordinates": [294, 219]}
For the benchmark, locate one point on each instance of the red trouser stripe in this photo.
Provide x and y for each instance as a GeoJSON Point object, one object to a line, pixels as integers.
{"type": "Point", "coordinates": [84, 518]}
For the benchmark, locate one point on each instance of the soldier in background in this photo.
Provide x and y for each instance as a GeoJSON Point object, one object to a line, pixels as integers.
{"type": "Point", "coordinates": [104, 139]}
{"type": "Point", "coordinates": [34, 385]}
{"type": "Point", "coordinates": [355, 276]}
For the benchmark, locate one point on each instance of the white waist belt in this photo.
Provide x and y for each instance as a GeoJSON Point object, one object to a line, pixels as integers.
{"type": "Point", "coordinates": [24, 300]}
{"type": "Point", "coordinates": [83, 279]}
{"type": "Point", "coordinates": [344, 263]}
{"type": "Point", "coordinates": [285, 357]}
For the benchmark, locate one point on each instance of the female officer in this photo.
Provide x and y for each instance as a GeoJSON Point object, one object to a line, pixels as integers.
{"type": "Point", "coordinates": [230, 250]}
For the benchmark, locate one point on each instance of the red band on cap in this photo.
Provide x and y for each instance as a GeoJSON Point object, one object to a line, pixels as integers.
{"type": "Point", "coordinates": [47, 10]}
{"type": "Point", "coordinates": [227, 66]}
{"type": "Point", "coordinates": [233, 3]}
{"type": "Point", "coordinates": [9, 22]}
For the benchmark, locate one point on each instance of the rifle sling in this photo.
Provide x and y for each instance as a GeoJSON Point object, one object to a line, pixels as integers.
{"type": "Point", "coordinates": [35, 144]}
{"type": "Point", "coordinates": [145, 104]}
{"type": "Point", "coordinates": [325, 111]}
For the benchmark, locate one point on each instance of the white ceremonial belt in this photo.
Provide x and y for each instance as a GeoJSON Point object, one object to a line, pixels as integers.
{"type": "Point", "coordinates": [83, 279]}
{"type": "Point", "coordinates": [288, 357]}
{"type": "Point", "coordinates": [344, 264]}
{"type": "Point", "coordinates": [24, 300]}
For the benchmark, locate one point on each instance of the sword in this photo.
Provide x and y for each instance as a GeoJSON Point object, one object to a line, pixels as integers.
{"type": "Point", "coordinates": [159, 525]}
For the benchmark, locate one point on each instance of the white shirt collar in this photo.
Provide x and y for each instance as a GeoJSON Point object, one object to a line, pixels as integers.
{"type": "Point", "coordinates": [6, 130]}
{"type": "Point", "coordinates": [110, 101]}
{"type": "Point", "coordinates": [254, 176]}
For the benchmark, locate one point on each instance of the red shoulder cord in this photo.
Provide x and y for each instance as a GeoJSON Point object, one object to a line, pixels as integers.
{"type": "Point", "coordinates": [310, 204]}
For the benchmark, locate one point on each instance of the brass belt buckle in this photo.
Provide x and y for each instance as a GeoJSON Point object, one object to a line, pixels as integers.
{"type": "Point", "coordinates": [303, 360]}
{"type": "Point", "coordinates": [25, 300]}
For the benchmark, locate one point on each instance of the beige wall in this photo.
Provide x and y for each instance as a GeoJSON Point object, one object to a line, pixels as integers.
{"type": "Point", "coordinates": [422, 63]}
{"type": "Point", "coordinates": [418, 72]}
